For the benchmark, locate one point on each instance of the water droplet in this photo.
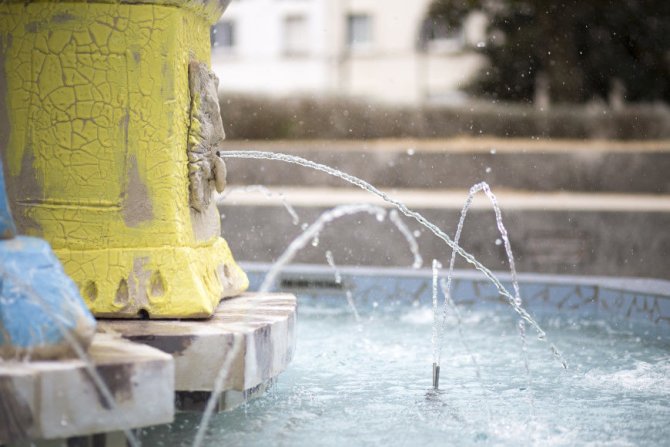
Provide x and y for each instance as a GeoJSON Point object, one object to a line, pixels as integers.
{"type": "Point", "coordinates": [411, 151]}
{"type": "Point", "coordinates": [416, 233]}
{"type": "Point", "coordinates": [493, 151]}
{"type": "Point", "coordinates": [481, 44]}
{"type": "Point", "coordinates": [315, 241]}
{"type": "Point", "coordinates": [375, 304]}
{"type": "Point", "coordinates": [488, 169]}
{"type": "Point", "coordinates": [498, 241]}
{"type": "Point", "coordinates": [303, 227]}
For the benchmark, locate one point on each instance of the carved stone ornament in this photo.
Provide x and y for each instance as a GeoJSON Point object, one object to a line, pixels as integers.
{"type": "Point", "coordinates": [206, 171]}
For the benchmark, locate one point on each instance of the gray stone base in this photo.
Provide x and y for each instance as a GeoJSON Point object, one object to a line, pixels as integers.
{"type": "Point", "coordinates": [228, 400]}
{"type": "Point", "coordinates": [56, 400]}
{"type": "Point", "coordinates": [266, 324]}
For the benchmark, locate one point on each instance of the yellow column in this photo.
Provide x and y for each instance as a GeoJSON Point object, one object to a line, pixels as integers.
{"type": "Point", "coordinates": [95, 113]}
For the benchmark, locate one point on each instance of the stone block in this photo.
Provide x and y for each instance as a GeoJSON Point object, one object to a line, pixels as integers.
{"type": "Point", "coordinates": [59, 399]}
{"type": "Point", "coordinates": [266, 323]}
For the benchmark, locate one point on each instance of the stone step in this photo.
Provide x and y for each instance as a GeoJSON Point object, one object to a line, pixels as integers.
{"type": "Point", "coordinates": [580, 166]}
{"type": "Point", "coordinates": [566, 233]}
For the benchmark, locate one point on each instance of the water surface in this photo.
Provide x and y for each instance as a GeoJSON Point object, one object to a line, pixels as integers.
{"type": "Point", "coordinates": [369, 383]}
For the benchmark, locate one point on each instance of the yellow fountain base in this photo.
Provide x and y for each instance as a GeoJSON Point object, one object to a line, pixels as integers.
{"type": "Point", "coordinates": [166, 282]}
{"type": "Point", "coordinates": [108, 149]}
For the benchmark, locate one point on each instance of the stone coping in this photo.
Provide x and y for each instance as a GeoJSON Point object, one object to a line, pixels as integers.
{"type": "Point", "coordinates": [638, 300]}
{"type": "Point", "coordinates": [448, 199]}
{"type": "Point", "coordinates": [637, 167]}
{"type": "Point", "coordinates": [59, 399]}
{"type": "Point", "coordinates": [456, 145]}
{"type": "Point", "coordinates": [640, 285]}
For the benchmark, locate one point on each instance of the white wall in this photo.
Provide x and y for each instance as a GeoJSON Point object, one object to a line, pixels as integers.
{"type": "Point", "coordinates": [257, 63]}
{"type": "Point", "coordinates": [388, 69]}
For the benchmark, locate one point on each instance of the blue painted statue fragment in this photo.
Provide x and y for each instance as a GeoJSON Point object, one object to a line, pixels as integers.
{"type": "Point", "coordinates": [41, 311]}
{"type": "Point", "coordinates": [38, 301]}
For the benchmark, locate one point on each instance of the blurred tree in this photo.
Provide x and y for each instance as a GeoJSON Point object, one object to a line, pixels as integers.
{"type": "Point", "coordinates": [570, 50]}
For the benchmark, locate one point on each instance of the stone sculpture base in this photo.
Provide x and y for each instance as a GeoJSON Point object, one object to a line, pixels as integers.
{"type": "Point", "coordinates": [163, 282]}
{"type": "Point", "coordinates": [266, 324]}
{"type": "Point", "coordinates": [52, 400]}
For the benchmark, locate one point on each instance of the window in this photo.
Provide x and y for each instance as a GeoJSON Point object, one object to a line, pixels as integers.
{"type": "Point", "coordinates": [295, 35]}
{"type": "Point", "coordinates": [222, 35]}
{"type": "Point", "coordinates": [359, 30]}
{"type": "Point", "coordinates": [437, 37]}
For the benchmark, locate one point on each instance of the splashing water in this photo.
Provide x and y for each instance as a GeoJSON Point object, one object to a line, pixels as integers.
{"type": "Point", "coordinates": [260, 155]}
{"type": "Point", "coordinates": [220, 380]}
{"type": "Point", "coordinates": [466, 346]}
{"type": "Point", "coordinates": [331, 263]}
{"type": "Point", "coordinates": [267, 193]}
{"type": "Point", "coordinates": [436, 325]}
{"type": "Point", "coordinates": [435, 331]}
{"type": "Point", "coordinates": [411, 240]}
{"type": "Point", "coordinates": [80, 353]}
{"type": "Point", "coordinates": [521, 325]}
{"type": "Point", "coordinates": [311, 233]}
{"type": "Point", "coordinates": [296, 245]}
{"type": "Point", "coordinates": [516, 300]}
{"type": "Point", "coordinates": [338, 280]}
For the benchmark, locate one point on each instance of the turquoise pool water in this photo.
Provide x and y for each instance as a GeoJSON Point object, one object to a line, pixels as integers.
{"type": "Point", "coordinates": [369, 382]}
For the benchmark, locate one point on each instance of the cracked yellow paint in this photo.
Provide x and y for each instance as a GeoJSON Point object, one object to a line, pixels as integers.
{"type": "Point", "coordinates": [96, 158]}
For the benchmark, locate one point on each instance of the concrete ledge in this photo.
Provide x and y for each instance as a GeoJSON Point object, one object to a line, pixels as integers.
{"type": "Point", "coordinates": [200, 347]}
{"type": "Point", "coordinates": [58, 399]}
{"type": "Point", "coordinates": [521, 164]}
{"type": "Point", "coordinates": [564, 233]}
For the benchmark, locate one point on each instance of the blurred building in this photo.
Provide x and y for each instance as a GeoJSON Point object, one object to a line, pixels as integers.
{"type": "Point", "coordinates": [373, 49]}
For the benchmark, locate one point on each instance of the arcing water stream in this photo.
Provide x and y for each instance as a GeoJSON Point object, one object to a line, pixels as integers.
{"type": "Point", "coordinates": [407, 212]}
{"type": "Point", "coordinates": [313, 231]}
{"type": "Point", "coordinates": [483, 186]}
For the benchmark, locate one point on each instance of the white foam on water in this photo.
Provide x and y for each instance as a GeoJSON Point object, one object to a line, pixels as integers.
{"type": "Point", "coordinates": [419, 316]}
{"type": "Point", "coordinates": [644, 377]}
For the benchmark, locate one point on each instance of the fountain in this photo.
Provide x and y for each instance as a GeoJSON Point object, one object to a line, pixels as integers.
{"type": "Point", "coordinates": [110, 124]}
{"type": "Point", "coordinates": [115, 157]}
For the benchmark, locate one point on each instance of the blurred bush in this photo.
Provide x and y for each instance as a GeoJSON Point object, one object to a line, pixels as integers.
{"type": "Point", "coordinates": [254, 117]}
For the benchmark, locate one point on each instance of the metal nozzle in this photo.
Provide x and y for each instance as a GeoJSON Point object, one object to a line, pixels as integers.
{"type": "Point", "coordinates": [436, 375]}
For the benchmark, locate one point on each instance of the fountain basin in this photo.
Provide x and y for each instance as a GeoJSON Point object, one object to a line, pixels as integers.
{"type": "Point", "coordinates": [370, 382]}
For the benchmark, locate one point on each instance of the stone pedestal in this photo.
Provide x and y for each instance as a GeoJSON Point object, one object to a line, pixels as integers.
{"type": "Point", "coordinates": [51, 400]}
{"type": "Point", "coordinates": [266, 324]}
